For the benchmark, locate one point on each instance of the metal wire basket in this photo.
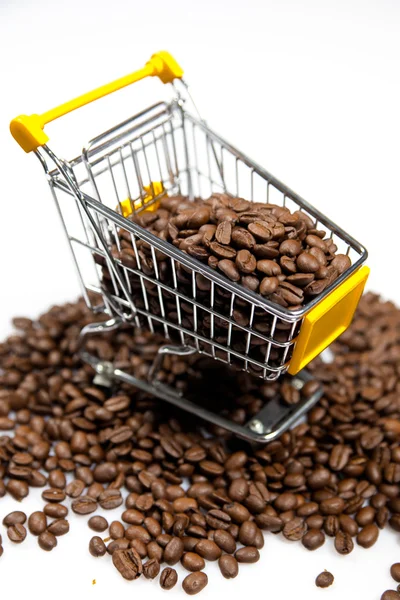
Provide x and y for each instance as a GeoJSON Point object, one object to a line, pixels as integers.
{"type": "Point", "coordinates": [164, 151]}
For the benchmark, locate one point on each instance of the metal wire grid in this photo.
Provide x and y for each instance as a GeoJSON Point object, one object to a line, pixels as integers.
{"type": "Point", "coordinates": [160, 289]}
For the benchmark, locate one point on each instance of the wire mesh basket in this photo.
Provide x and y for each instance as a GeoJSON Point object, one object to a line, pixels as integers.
{"type": "Point", "coordinates": [142, 279]}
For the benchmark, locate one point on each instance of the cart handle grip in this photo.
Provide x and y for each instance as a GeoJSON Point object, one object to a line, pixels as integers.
{"type": "Point", "coordinates": [28, 131]}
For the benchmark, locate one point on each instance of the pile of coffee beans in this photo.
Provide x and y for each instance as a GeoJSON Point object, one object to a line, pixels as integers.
{"type": "Point", "coordinates": [180, 495]}
{"type": "Point", "coordinates": [264, 247]}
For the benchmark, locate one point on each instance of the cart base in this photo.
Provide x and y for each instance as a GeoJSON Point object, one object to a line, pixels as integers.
{"type": "Point", "coordinates": [273, 419]}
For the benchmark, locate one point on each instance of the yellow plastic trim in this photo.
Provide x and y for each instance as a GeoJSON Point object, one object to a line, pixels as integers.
{"type": "Point", "coordinates": [28, 130]}
{"type": "Point", "coordinates": [152, 191]}
{"type": "Point", "coordinates": [327, 320]}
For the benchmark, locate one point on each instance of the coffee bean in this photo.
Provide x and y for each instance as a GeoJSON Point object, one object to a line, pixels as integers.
{"type": "Point", "coordinates": [137, 532]}
{"type": "Point", "coordinates": [348, 525]}
{"type": "Point", "coordinates": [59, 527]}
{"type": "Point", "coordinates": [225, 541]}
{"type": "Point", "coordinates": [97, 547]}
{"type": "Point", "coordinates": [151, 568]}
{"type": "Point", "coordinates": [208, 549]}
{"type": "Point", "coordinates": [324, 579]}
{"type": "Point", "coordinates": [223, 233]}
{"type": "Point", "coordinates": [173, 551]}
{"type": "Point", "coordinates": [75, 488]}
{"type": "Point", "coordinates": [247, 533]}
{"type": "Point", "coordinates": [37, 522]}
{"type": "Point", "coordinates": [228, 566]}
{"type": "Point", "coordinates": [192, 561]}
{"type": "Point", "coordinates": [368, 535]}
{"type": "Point", "coordinates": [307, 263]}
{"type": "Point", "coordinates": [128, 563]}
{"type": "Point", "coordinates": [47, 541]}
{"type": "Point", "coordinates": [313, 539]}
{"type": "Point", "coordinates": [17, 488]}
{"type": "Point", "coordinates": [84, 505]}
{"type": "Point", "coordinates": [13, 518]}
{"type": "Point", "coordinates": [194, 583]}
{"type": "Point", "coordinates": [390, 595]}
{"type": "Point", "coordinates": [117, 530]}
{"type": "Point", "coordinates": [16, 533]}
{"type": "Point", "coordinates": [332, 506]}
{"type": "Point", "coordinates": [53, 495]}
{"type": "Point", "coordinates": [248, 554]}
{"type": "Point", "coordinates": [98, 523]}
{"type": "Point", "coordinates": [395, 571]}
{"type": "Point", "coordinates": [343, 543]}
{"type": "Point", "coordinates": [109, 499]}
{"type": "Point", "coordinates": [57, 479]}
{"type": "Point", "coordinates": [168, 578]}
{"type": "Point", "coordinates": [295, 529]}
{"type": "Point", "coordinates": [55, 511]}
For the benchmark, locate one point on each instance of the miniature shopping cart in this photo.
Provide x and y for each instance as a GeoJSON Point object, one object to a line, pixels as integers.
{"type": "Point", "coordinates": [165, 151]}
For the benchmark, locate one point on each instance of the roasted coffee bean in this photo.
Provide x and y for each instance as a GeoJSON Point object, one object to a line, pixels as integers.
{"type": "Point", "coordinates": [324, 579]}
{"type": "Point", "coordinates": [55, 511]}
{"type": "Point", "coordinates": [168, 578]}
{"type": "Point", "coordinates": [192, 561]}
{"type": "Point", "coordinates": [313, 539]}
{"type": "Point", "coordinates": [137, 532]}
{"type": "Point", "coordinates": [109, 499]}
{"type": "Point", "coordinates": [208, 549]}
{"type": "Point", "coordinates": [348, 525]}
{"type": "Point", "coordinates": [248, 554]}
{"type": "Point", "coordinates": [97, 547]}
{"type": "Point", "coordinates": [247, 533]}
{"type": "Point", "coordinates": [295, 529]}
{"type": "Point", "coordinates": [53, 495]}
{"type": "Point", "coordinates": [98, 523]}
{"type": "Point", "coordinates": [151, 568]}
{"type": "Point", "coordinates": [395, 571]}
{"type": "Point", "coordinates": [390, 595]}
{"type": "Point", "coordinates": [13, 518]}
{"type": "Point", "coordinates": [59, 527]}
{"type": "Point", "coordinates": [47, 541]}
{"type": "Point", "coordinates": [228, 566]}
{"type": "Point", "coordinates": [37, 522]}
{"type": "Point", "coordinates": [173, 551]}
{"type": "Point", "coordinates": [16, 533]}
{"type": "Point", "coordinates": [332, 506]}
{"type": "Point", "coordinates": [368, 535]}
{"type": "Point", "coordinates": [343, 543]}
{"type": "Point", "coordinates": [75, 488]}
{"type": "Point", "coordinates": [194, 583]}
{"type": "Point", "coordinates": [117, 530]}
{"type": "Point", "coordinates": [84, 505]}
{"type": "Point", "coordinates": [225, 541]}
{"type": "Point", "coordinates": [128, 563]}
{"type": "Point", "coordinates": [17, 488]}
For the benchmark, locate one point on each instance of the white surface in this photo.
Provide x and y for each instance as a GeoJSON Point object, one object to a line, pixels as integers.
{"type": "Point", "coordinates": [308, 89]}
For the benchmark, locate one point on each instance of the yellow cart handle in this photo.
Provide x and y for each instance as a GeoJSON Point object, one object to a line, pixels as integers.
{"type": "Point", "coordinates": [28, 130]}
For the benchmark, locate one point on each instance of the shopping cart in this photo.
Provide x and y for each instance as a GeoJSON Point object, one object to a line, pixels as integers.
{"type": "Point", "coordinates": [162, 151]}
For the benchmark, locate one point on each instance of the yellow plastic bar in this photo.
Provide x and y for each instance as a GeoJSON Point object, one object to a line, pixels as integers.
{"type": "Point", "coordinates": [327, 320]}
{"type": "Point", "coordinates": [28, 131]}
{"type": "Point", "coordinates": [126, 205]}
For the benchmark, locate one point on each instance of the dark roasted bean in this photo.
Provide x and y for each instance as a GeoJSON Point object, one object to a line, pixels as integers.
{"type": "Point", "coordinates": [98, 523]}
{"type": "Point", "coordinates": [16, 533]}
{"type": "Point", "coordinates": [97, 547]}
{"type": "Point", "coordinates": [37, 522]}
{"type": "Point", "coordinates": [324, 579]}
{"type": "Point", "coordinates": [168, 578]}
{"type": "Point", "coordinates": [47, 541]}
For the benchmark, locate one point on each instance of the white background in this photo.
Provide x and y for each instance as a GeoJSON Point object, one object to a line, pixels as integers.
{"type": "Point", "coordinates": [310, 90]}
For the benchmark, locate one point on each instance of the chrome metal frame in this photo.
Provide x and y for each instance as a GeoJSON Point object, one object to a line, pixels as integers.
{"type": "Point", "coordinates": [166, 143]}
